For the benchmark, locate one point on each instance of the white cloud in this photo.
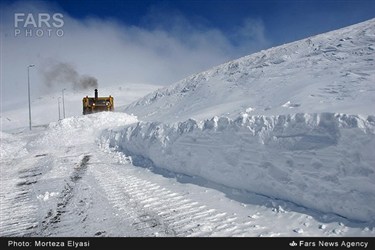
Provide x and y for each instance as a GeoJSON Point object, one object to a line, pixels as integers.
{"type": "Point", "coordinates": [114, 53]}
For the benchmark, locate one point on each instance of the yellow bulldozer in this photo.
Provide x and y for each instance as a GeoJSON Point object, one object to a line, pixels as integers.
{"type": "Point", "coordinates": [97, 104]}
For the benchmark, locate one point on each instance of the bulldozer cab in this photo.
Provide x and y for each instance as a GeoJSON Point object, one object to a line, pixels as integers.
{"type": "Point", "coordinates": [97, 104]}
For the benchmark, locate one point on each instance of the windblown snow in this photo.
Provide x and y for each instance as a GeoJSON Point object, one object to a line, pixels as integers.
{"type": "Point", "coordinates": [277, 143]}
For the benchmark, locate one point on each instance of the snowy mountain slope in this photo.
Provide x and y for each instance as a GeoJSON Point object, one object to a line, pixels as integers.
{"type": "Point", "coordinates": [274, 164]}
{"type": "Point", "coordinates": [331, 72]}
{"type": "Point", "coordinates": [295, 122]}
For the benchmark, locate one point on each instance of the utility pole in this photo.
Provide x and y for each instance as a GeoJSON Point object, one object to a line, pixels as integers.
{"type": "Point", "coordinates": [58, 106]}
{"type": "Point", "coordinates": [63, 103]}
{"type": "Point", "coordinates": [28, 91]}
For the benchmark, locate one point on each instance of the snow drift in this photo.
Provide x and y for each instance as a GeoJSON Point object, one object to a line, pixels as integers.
{"type": "Point", "coordinates": [321, 161]}
{"type": "Point", "coordinates": [88, 127]}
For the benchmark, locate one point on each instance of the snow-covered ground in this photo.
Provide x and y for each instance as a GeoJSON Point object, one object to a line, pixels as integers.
{"type": "Point", "coordinates": [66, 180]}
{"type": "Point", "coordinates": [321, 161]}
{"type": "Point", "coordinates": [278, 143]}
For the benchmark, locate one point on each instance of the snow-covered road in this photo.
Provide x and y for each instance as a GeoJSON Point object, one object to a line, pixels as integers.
{"type": "Point", "coordinates": [61, 180]}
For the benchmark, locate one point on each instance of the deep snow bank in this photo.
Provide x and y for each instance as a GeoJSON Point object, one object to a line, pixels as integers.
{"type": "Point", "coordinates": [76, 130]}
{"type": "Point", "coordinates": [322, 161]}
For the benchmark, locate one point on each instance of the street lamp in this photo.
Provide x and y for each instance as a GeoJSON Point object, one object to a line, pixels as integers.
{"type": "Point", "coordinates": [63, 104]}
{"type": "Point", "coordinates": [28, 90]}
{"type": "Point", "coordinates": [58, 106]}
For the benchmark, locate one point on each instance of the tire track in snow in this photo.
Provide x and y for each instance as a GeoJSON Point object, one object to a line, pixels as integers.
{"type": "Point", "coordinates": [53, 217]}
{"type": "Point", "coordinates": [17, 214]}
{"type": "Point", "coordinates": [18, 211]}
{"type": "Point", "coordinates": [156, 211]}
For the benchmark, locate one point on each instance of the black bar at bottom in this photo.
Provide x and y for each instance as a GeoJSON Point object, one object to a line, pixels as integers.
{"type": "Point", "coordinates": [178, 243]}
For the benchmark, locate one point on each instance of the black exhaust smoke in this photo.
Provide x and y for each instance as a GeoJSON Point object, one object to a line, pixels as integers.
{"type": "Point", "coordinates": [59, 73]}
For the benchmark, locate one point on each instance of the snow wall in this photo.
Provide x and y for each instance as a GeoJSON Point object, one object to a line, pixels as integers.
{"type": "Point", "coordinates": [322, 161]}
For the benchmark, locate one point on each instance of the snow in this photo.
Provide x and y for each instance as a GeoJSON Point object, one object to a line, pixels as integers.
{"type": "Point", "coordinates": [278, 143]}
{"type": "Point", "coordinates": [291, 157]}
{"type": "Point", "coordinates": [70, 182]}
{"type": "Point", "coordinates": [44, 109]}
{"type": "Point", "coordinates": [332, 72]}
{"type": "Point", "coordinates": [47, 195]}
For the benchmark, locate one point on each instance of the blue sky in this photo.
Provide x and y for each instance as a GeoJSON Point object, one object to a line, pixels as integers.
{"type": "Point", "coordinates": [159, 42]}
{"type": "Point", "coordinates": [284, 20]}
